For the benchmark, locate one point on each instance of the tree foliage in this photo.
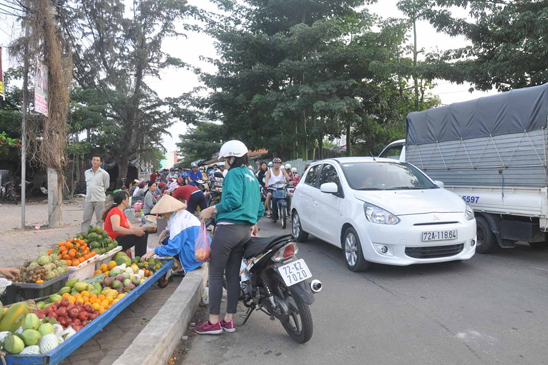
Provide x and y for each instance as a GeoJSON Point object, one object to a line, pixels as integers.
{"type": "Point", "coordinates": [293, 73]}
{"type": "Point", "coordinates": [509, 44]}
{"type": "Point", "coordinates": [115, 51]}
{"type": "Point", "coordinates": [200, 142]}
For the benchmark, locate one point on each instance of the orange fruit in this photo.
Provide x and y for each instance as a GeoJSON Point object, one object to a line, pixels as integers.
{"type": "Point", "coordinates": [101, 297]}
{"type": "Point", "coordinates": [115, 301]}
{"type": "Point", "coordinates": [96, 306]}
{"type": "Point", "coordinates": [85, 299]}
{"type": "Point", "coordinates": [106, 273]}
{"type": "Point", "coordinates": [109, 299]}
{"type": "Point", "coordinates": [72, 299]}
{"type": "Point", "coordinates": [105, 303]}
{"type": "Point", "coordinates": [80, 300]}
{"type": "Point", "coordinates": [97, 272]}
{"type": "Point", "coordinates": [104, 267]}
{"type": "Point", "coordinates": [65, 296]}
{"type": "Point", "coordinates": [85, 293]}
{"type": "Point", "coordinates": [112, 265]}
{"type": "Point", "coordinates": [93, 296]}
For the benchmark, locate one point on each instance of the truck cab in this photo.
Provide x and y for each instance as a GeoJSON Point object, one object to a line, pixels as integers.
{"type": "Point", "coordinates": [395, 150]}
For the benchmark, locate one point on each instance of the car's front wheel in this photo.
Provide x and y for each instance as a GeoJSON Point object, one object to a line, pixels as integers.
{"type": "Point", "coordinates": [296, 228]}
{"type": "Point", "coordinates": [353, 253]}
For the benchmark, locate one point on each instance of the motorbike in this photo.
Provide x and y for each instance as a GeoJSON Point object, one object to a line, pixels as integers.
{"type": "Point", "coordinates": [8, 192]}
{"type": "Point", "coordinates": [215, 189]}
{"type": "Point", "coordinates": [274, 281]}
{"type": "Point", "coordinates": [280, 199]}
{"type": "Point", "coordinates": [42, 190]}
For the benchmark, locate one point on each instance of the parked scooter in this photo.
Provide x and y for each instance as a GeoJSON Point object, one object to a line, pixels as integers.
{"type": "Point", "coordinates": [275, 282]}
{"type": "Point", "coordinates": [8, 192]}
{"type": "Point", "coordinates": [42, 190]}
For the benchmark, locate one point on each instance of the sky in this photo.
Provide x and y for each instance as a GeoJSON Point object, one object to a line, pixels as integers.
{"type": "Point", "coordinates": [190, 49]}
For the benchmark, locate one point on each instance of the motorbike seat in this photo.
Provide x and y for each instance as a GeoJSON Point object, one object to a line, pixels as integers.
{"type": "Point", "coordinates": [257, 245]}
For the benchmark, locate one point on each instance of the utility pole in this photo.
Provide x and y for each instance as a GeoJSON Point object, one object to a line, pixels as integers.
{"type": "Point", "coordinates": [23, 127]}
{"type": "Point", "coordinates": [415, 54]}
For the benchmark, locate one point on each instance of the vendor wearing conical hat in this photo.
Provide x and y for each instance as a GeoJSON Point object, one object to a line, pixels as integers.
{"type": "Point", "coordinates": [183, 230]}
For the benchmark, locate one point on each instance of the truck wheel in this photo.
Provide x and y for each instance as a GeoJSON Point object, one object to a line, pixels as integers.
{"type": "Point", "coordinates": [487, 241]}
{"type": "Point", "coordinates": [538, 245]}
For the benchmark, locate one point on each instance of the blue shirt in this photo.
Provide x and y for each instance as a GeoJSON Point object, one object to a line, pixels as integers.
{"type": "Point", "coordinates": [194, 176]}
{"type": "Point", "coordinates": [184, 231]}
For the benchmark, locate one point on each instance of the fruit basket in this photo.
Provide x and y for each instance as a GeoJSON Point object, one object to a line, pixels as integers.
{"type": "Point", "coordinates": [20, 292]}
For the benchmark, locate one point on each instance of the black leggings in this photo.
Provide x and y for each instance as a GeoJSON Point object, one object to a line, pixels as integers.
{"type": "Point", "coordinates": [131, 240]}
{"type": "Point", "coordinates": [196, 199]}
{"type": "Point", "coordinates": [227, 250]}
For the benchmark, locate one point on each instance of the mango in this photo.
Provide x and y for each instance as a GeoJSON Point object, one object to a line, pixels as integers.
{"type": "Point", "coordinates": [70, 283]}
{"type": "Point", "coordinates": [80, 286]}
{"type": "Point", "coordinates": [64, 290]}
{"type": "Point", "coordinates": [55, 298]}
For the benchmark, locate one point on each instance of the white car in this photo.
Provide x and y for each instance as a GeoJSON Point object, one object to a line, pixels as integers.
{"type": "Point", "coordinates": [384, 211]}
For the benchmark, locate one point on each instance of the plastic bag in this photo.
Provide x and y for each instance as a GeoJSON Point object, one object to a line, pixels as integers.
{"type": "Point", "coordinates": [202, 247]}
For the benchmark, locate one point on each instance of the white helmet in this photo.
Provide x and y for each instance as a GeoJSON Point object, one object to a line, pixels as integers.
{"type": "Point", "coordinates": [233, 149]}
{"type": "Point", "coordinates": [294, 170]}
{"type": "Point", "coordinates": [288, 166]}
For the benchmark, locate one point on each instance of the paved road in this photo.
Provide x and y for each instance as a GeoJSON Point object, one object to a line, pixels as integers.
{"type": "Point", "coordinates": [492, 309]}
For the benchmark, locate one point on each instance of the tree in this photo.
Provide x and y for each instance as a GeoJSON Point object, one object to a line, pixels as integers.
{"type": "Point", "coordinates": [509, 44]}
{"type": "Point", "coordinates": [293, 73]}
{"type": "Point", "coordinates": [200, 142]}
{"type": "Point", "coordinates": [114, 61]}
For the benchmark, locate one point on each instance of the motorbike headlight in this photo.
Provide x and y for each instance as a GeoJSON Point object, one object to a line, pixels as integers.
{"type": "Point", "coordinates": [469, 212]}
{"type": "Point", "coordinates": [377, 215]}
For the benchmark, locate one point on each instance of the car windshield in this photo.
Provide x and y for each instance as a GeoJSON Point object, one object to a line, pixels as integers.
{"type": "Point", "coordinates": [385, 176]}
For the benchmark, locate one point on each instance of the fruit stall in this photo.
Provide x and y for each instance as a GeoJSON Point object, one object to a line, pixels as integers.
{"type": "Point", "coordinates": [68, 309]}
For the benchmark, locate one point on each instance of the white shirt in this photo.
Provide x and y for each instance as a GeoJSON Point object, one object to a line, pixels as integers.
{"type": "Point", "coordinates": [225, 172]}
{"type": "Point", "coordinates": [275, 178]}
{"type": "Point", "coordinates": [97, 184]}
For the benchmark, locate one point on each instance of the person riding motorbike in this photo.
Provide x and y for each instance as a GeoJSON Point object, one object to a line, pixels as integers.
{"type": "Point", "coordinates": [274, 175]}
{"type": "Point", "coordinates": [194, 174]}
{"type": "Point", "coordinates": [296, 177]}
{"type": "Point", "coordinates": [223, 170]}
{"type": "Point", "coordinates": [237, 216]}
{"type": "Point", "coordinates": [262, 173]}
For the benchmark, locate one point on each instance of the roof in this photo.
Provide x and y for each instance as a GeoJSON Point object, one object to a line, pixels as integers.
{"type": "Point", "coordinates": [358, 159]}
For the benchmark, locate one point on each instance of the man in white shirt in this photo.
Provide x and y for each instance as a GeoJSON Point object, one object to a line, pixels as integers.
{"type": "Point", "coordinates": [223, 170]}
{"type": "Point", "coordinates": [97, 183]}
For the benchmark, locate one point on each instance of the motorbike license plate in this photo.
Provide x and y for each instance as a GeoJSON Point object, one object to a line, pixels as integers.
{"type": "Point", "coordinates": [295, 272]}
{"type": "Point", "coordinates": [439, 236]}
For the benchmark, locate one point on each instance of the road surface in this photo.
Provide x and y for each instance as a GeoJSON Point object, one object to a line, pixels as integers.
{"type": "Point", "coordinates": [492, 309]}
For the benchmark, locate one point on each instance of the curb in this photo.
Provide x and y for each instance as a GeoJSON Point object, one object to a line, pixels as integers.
{"type": "Point", "coordinates": [157, 341]}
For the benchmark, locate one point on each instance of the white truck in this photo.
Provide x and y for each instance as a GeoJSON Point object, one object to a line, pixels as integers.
{"type": "Point", "coordinates": [492, 152]}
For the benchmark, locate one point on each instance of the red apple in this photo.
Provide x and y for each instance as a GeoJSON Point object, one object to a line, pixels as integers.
{"type": "Point", "coordinates": [62, 311]}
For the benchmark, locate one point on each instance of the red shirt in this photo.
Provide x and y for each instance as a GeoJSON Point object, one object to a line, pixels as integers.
{"type": "Point", "coordinates": [123, 222]}
{"type": "Point", "coordinates": [153, 177]}
{"type": "Point", "coordinates": [184, 192]}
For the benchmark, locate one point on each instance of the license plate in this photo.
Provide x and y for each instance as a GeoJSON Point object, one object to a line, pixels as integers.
{"type": "Point", "coordinates": [439, 236]}
{"type": "Point", "coordinates": [295, 272]}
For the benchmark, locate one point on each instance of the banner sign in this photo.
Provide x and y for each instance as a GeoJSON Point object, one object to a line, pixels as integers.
{"type": "Point", "coordinates": [1, 77]}
{"type": "Point", "coordinates": [41, 89]}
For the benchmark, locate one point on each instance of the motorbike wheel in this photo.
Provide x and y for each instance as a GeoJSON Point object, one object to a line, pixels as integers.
{"type": "Point", "coordinates": [13, 197]}
{"type": "Point", "coordinates": [299, 324]}
{"type": "Point", "coordinates": [284, 217]}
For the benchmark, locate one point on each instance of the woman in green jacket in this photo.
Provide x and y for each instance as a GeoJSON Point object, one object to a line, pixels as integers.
{"type": "Point", "coordinates": [237, 215]}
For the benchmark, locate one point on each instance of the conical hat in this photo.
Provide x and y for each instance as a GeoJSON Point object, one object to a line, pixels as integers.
{"type": "Point", "coordinates": [167, 204]}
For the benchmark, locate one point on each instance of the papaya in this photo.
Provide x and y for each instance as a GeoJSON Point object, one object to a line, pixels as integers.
{"type": "Point", "coordinates": [13, 318]}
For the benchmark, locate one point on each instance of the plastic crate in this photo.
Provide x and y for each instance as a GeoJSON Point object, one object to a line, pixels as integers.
{"type": "Point", "coordinates": [107, 257]}
{"type": "Point", "coordinates": [21, 292]}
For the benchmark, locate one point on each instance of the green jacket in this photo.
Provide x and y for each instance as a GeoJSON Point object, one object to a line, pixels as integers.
{"type": "Point", "coordinates": [241, 201]}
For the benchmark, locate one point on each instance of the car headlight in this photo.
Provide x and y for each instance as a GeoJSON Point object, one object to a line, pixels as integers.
{"type": "Point", "coordinates": [469, 212]}
{"type": "Point", "coordinates": [377, 215]}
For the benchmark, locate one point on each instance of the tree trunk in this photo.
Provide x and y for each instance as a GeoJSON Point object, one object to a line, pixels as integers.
{"type": "Point", "coordinates": [348, 144]}
{"type": "Point", "coordinates": [305, 145]}
{"type": "Point", "coordinates": [123, 166]}
{"type": "Point", "coordinates": [55, 200]}
{"type": "Point", "coordinates": [415, 54]}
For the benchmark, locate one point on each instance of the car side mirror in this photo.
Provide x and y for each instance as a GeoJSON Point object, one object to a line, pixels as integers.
{"type": "Point", "coordinates": [329, 188]}
{"type": "Point", "coordinates": [439, 183]}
